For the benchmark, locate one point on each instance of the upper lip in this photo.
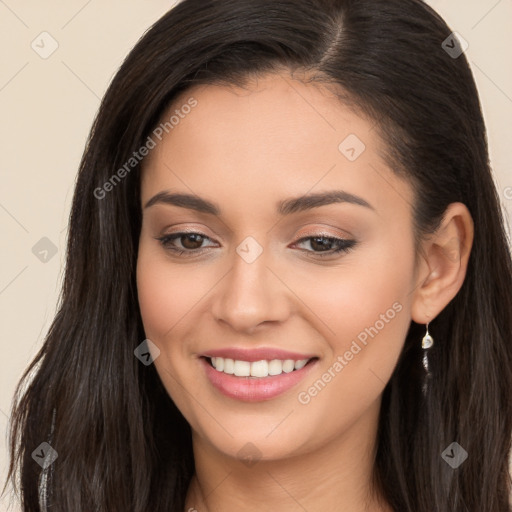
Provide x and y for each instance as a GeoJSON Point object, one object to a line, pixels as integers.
{"type": "Point", "coordinates": [256, 354]}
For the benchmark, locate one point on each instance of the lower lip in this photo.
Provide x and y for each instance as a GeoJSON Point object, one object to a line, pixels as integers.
{"type": "Point", "coordinates": [254, 389]}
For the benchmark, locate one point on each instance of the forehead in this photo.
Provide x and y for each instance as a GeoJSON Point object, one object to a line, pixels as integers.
{"type": "Point", "coordinates": [276, 110]}
{"type": "Point", "coordinates": [276, 134]}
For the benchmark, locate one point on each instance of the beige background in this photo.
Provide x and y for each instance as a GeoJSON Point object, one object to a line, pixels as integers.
{"type": "Point", "coordinates": [47, 107]}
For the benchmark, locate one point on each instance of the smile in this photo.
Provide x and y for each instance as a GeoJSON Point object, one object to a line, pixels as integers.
{"type": "Point", "coordinates": [255, 381]}
{"type": "Point", "coordinates": [256, 369]}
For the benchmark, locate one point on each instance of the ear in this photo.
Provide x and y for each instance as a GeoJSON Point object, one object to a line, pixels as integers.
{"type": "Point", "coordinates": [442, 263]}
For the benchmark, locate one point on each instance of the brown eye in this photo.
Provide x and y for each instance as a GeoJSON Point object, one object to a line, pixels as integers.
{"type": "Point", "coordinates": [321, 246]}
{"type": "Point", "coordinates": [321, 243]}
{"type": "Point", "coordinates": [191, 240]}
{"type": "Point", "coordinates": [183, 243]}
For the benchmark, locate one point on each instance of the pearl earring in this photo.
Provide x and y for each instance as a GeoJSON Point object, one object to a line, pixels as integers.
{"type": "Point", "coordinates": [426, 343]}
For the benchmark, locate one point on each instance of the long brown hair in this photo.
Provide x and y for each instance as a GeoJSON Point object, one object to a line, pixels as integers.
{"type": "Point", "coordinates": [122, 444]}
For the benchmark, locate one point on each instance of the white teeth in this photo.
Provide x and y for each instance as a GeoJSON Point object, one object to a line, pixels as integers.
{"type": "Point", "coordinates": [257, 368]}
{"type": "Point", "coordinates": [242, 368]}
{"type": "Point", "coordinates": [288, 365]}
{"type": "Point", "coordinates": [229, 366]}
{"type": "Point", "coordinates": [275, 367]}
{"type": "Point", "coordinates": [300, 364]}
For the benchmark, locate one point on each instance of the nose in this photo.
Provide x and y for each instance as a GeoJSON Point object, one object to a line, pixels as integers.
{"type": "Point", "coordinates": [251, 295]}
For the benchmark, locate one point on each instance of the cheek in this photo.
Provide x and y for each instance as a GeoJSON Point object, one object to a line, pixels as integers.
{"type": "Point", "coordinates": [163, 297]}
{"type": "Point", "coordinates": [157, 306]}
{"type": "Point", "coordinates": [361, 292]}
{"type": "Point", "coordinates": [368, 316]}
{"type": "Point", "coordinates": [164, 301]}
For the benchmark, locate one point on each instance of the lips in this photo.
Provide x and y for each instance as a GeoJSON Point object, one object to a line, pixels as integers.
{"type": "Point", "coordinates": [236, 383]}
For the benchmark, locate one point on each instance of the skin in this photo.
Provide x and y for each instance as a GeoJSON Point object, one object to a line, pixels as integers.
{"type": "Point", "coordinates": [245, 150]}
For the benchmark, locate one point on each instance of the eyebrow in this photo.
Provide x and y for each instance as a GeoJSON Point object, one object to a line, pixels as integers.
{"type": "Point", "coordinates": [285, 207]}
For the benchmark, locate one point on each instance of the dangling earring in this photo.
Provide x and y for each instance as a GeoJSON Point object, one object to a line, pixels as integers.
{"type": "Point", "coordinates": [426, 343]}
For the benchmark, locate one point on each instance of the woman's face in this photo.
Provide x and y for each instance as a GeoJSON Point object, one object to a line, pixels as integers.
{"type": "Point", "coordinates": [259, 273]}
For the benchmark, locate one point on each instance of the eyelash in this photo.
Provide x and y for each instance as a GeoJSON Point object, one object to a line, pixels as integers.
{"type": "Point", "coordinates": [344, 245]}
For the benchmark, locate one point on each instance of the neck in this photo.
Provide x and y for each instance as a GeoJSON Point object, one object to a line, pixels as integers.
{"type": "Point", "coordinates": [333, 477]}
